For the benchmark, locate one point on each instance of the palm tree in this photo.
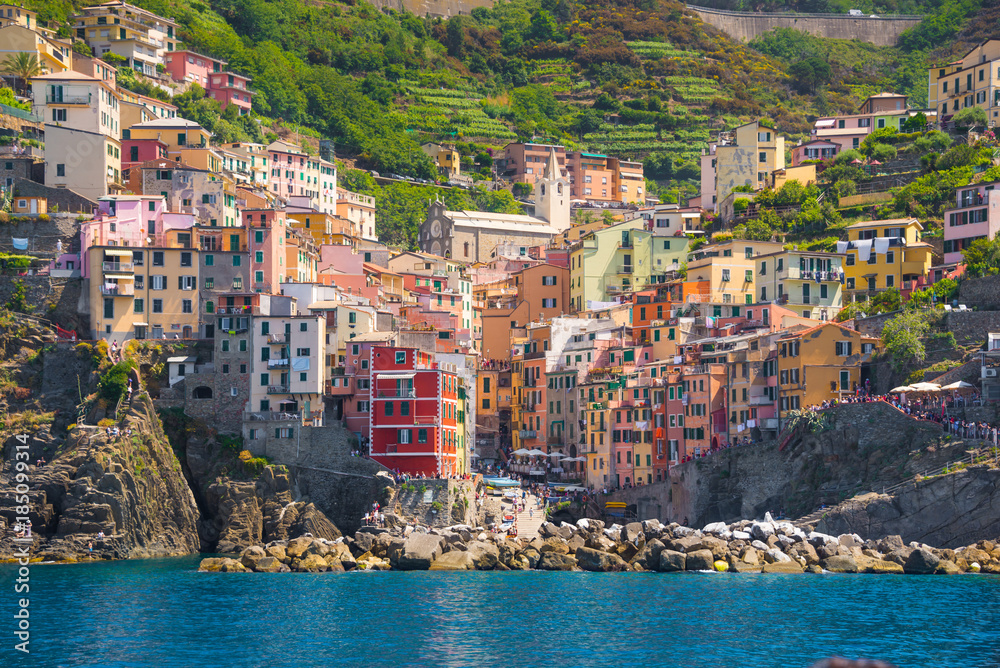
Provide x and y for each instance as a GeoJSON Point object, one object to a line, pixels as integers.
{"type": "Point", "coordinates": [22, 66]}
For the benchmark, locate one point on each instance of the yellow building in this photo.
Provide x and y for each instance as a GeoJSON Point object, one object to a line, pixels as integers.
{"type": "Point", "coordinates": [447, 159]}
{"type": "Point", "coordinates": [177, 133]}
{"type": "Point", "coordinates": [971, 81]}
{"type": "Point", "coordinates": [806, 282]}
{"type": "Point", "coordinates": [53, 55]}
{"type": "Point", "coordinates": [324, 228]}
{"type": "Point", "coordinates": [148, 293]}
{"type": "Point", "coordinates": [725, 272]}
{"type": "Point", "coordinates": [135, 34]}
{"type": "Point", "coordinates": [883, 254]}
{"type": "Point", "coordinates": [820, 364]}
{"type": "Point", "coordinates": [18, 15]}
{"type": "Point", "coordinates": [747, 158]}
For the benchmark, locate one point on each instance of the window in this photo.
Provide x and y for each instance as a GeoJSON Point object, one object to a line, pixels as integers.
{"type": "Point", "coordinates": [157, 258]}
{"type": "Point", "coordinates": [304, 376]}
{"type": "Point", "coordinates": [186, 306]}
{"type": "Point", "coordinates": [844, 348]}
{"type": "Point", "coordinates": [158, 282]}
{"type": "Point", "coordinates": [138, 306]}
{"type": "Point", "coordinates": [400, 357]}
{"type": "Point", "coordinates": [185, 259]}
{"type": "Point", "coordinates": [725, 275]}
{"type": "Point", "coordinates": [157, 306]}
{"type": "Point", "coordinates": [549, 303]}
{"type": "Point", "coordinates": [209, 260]}
{"type": "Point", "coordinates": [548, 280]}
{"type": "Point", "coordinates": [403, 436]}
{"type": "Point", "coordinates": [186, 282]}
{"type": "Point", "coordinates": [236, 260]}
{"type": "Point", "coordinates": [762, 157]}
{"type": "Point", "coordinates": [389, 409]}
{"type": "Point", "coordinates": [60, 170]}
{"type": "Point", "coordinates": [421, 436]}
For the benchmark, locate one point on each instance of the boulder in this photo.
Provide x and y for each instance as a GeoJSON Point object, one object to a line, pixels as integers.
{"type": "Point", "coordinates": [880, 567]}
{"type": "Point", "coordinates": [716, 546]}
{"type": "Point", "coordinates": [921, 562]}
{"type": "Point", "coordinates": [419, 552]}
{"type": "Point", "coordinates": [900, 555]}
{"type": "Point", "coordinates": [270, 565]}
{"type": "Point", "coordinates": [805, 551]}
{"type": "Point", "coordinates": [278, 552]}
{"type": "Point", "coordinates": [631, 531]}
{"type": "Point", "coordinates": [700, 560]}
{"type": "Point", "coordinates": [553, 561]}
{"type": "Point", "coordinates": [251, 556]}
{"type": "Point", "coordinates": [595, 560]}
{"type": "Point", "coordinates": [741, 535]}
{"type": "Point", "coordinates": [839, 564]}
{"type": "Point", "coordinates": [782, 567]}
{"type": "Point", "coordinates": [775, 555]}
{"type": "Point", "coordinates": [311, 563]}
{"type": "Point", "coordinates": [751, 556]}
{"type": "Point", "coordinates": [531, 555]}
{"type": "Point", "coordinates": [889, 543]}
{"type": "Point", "coordinates": [671, 561]}
{"type": "Point", "coordinates": [762, 530]}
{"type": "Point", "coordinates": [575, 543]}
{"type": "Point", "coordinates": [946, 567]}
{"type": "Point", "coordinates": [484, 555]}
{"type": "Point", "coordinates": [297, 547]}
{"type": "Point", "coordinates": [554, 544]}
{"type": "Point", "coordinates": [456, 560]}
{"type": "Point", "coordinates": [715, 527]}
{"type": "Point", "coordinates": [649, 555]}
{"type": "Point", "coordinates": [211, 565]}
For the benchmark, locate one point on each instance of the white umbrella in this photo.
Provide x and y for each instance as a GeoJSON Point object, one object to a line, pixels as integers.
{"type": "Point", "coordinates": [926, 387]}
{"type": "Point", "coordinates": [901, 389]}
{"type": "Point", "coordinates": [958, 385]}
{"type": "Point", "coordinates": [536, 452]}
{"type": "Point", "coordinates": [522, 451]}
{"type": "Point", "coordinates": [556, 454]}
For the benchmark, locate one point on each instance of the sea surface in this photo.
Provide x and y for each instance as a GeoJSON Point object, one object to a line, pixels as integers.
{"type": "Point", "coordinates": [163, 613]}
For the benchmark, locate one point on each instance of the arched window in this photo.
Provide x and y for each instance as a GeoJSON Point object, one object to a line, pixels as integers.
{"type": "Point", "coordinates": [543, 190]}
{"type": "Point", "coordinates": [466, 249]}
{"type": "Point", "coordinates": [202, 392]}
{"type": "Point", "coordinates": [559, 189]}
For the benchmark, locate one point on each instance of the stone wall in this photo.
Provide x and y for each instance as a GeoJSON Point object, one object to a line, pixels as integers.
{"type": "Point", "coordinates": [980, 293]}
{"type": "Point", "coordinates": [67, 200]}
{"type": "Point", "coordinates": [457, 500]}
{"type": "Point", "coordinates": [42, 235]}
{"type": "Point", "coordinates": [971, 327]}
{"type": "Point", "coordinates": [443, 8]}
{"type": "Point", "coordinates": [867, 446]}
{"type": "Point", "coordinates": [745, 26]}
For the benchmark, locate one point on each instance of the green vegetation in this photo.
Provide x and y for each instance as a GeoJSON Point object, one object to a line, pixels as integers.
{"type": "Point", "coordinates": [113, 384]}
{"type": "Point", "coordinates": [902, 337]}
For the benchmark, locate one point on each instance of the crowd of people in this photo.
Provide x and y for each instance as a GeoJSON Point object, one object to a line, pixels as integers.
{"type": "Point", "coordinates": [494, 365]}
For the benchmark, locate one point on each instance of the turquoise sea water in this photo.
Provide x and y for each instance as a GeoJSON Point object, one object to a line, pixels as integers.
{"type": "Point", "coordinates": [163, 613]}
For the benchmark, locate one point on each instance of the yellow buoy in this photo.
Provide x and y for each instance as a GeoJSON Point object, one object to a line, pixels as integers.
{"type": "Point", "coordinates": [721, 566]}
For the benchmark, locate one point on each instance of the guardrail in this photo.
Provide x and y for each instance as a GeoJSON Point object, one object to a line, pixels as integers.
{"type": "Point", "coordinates": [727, 12]}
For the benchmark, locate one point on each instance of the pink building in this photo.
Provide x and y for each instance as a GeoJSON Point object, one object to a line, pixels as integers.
{"type": "Point", "coordinates": [266, 236]}
{"type": "Point", "coordinates": [977, 216]}
{"type": "Point", "coordinates": [817, 149]}
{"type": "Point", "coordinates": [210, 74]}
{"type": "Point", "coordinates": [137, 151]}
{"type": "Point", "coordinates": [121, 220]}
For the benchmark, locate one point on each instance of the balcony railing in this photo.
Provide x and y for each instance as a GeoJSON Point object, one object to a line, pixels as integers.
{"type": "Point", "coordinates": [68, 99]}
{"type": "Point", "coordinates": [277, 339]}
{"type": "Point", "coordinates": [117, 266]}
{"type": "Point", "coordinates": [625, 269]}
{"type": "Point", "coordinates": [278, 363]}
{"type": "Point", "coordinates": [121, 290]}
{"type": "Point", "coordinates": [238, 310]}
{"type": "Point", "coordinates": [397, 394]}
{"type": "Point", "coordinates": [277, 389]}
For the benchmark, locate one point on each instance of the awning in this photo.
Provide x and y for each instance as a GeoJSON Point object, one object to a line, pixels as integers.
{"type": "Point", "coordinates": [118, 252]}
{"type": "Point", "coordinates": [826, 124]}
{"type": "Point", "coordinates": [140, 324]}
{"type": "Point", "coordinates": [119, 274]}
{"type": "Point", "coordinates": [395, 374]}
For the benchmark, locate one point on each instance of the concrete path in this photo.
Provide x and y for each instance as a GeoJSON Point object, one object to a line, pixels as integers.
{"type": "Point", "coordinates": [527, 526]}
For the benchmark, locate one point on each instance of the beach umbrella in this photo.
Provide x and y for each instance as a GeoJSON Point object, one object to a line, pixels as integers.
{"type": "Point", "coordinates": [556, 454]}
{"type": "Point", "coordinates": [901, 389]}
{"type": "Point", "coordinates": [536, 452]}
{"type": "Point", "coordinates": [874, 162]}
{"type": "Point", "coordinates": [522, 451]}
{"type": "Point", "coordinates": [926, 387]}
{"type": "Point", "coordinates": [959, 385]}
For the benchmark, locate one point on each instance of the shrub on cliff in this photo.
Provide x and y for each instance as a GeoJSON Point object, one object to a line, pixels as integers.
{"type": "Point", "coordinates": [112, 385]}
{"type": "Point", "coordinates": [902, 339]}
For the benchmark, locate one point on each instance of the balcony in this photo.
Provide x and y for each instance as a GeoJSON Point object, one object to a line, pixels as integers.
{"type": "Point", "coordinates": [406, 393]}
{"type": "Point", "coordinates": [277, 339]}
{"type": "Point", "coordinates": [277, 389]}
{"type": "Point", "coordinates": [625, 269]}
{"type": "Point", "coordinates": [238, 310]}
{"type": "Point", "coordinates": [278, 364]}
{"type": "Point", "coordinates": [118, 266]}
{"type": "Point", "coordinates": [118, 290]}
{"type": "Point", "coordinates": [760, 400]}
{"type": "Point", "coordinates": [68, 99]}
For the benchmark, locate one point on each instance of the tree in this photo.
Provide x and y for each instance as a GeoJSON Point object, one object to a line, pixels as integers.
{"type": "Point", "coordinates": [901, 337]}
{"type": "Point", "coordinates": [970, 117]}
{"type": "Point", "coordinates": [809, 74]}
{"type": "Point", "coordinates": [915, 123]}
{"type": "Point", "coordinates": [982, 257]}
{"type": "Point", "coordinates": [754, 230]}
{"type": "Point", "coordinates": [22, 66]}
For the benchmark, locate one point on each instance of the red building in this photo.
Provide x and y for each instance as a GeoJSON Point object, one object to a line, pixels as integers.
{"type": "Point", "coordinates": [414, 420]}
{"type": "Point", "coordinates": [137, 151]}
{"type": "Point", "coordinates": [210, 74]}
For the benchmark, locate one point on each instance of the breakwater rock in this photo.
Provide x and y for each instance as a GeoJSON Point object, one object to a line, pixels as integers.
{"type": "Point", "coordinates": [763, 546]}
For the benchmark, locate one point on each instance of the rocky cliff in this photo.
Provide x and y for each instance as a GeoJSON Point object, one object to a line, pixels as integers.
{"type": "Point", "coordinates": [129, 486]}
{"type": "Point", "coordinates": [947, 510]}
